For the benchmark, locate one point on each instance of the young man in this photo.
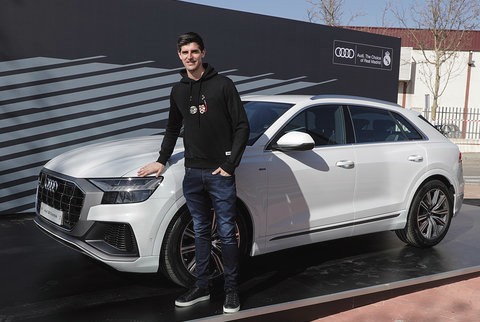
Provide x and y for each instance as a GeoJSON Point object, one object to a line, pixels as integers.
{"type": "Point", "coordinates": [215, 135]}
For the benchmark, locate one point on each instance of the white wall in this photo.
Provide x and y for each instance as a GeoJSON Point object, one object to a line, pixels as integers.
{"type": "Point", "coordinates": [454, 94]}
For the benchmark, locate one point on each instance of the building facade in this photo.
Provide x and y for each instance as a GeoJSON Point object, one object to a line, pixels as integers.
{"type": "Point", "coordinates": [458, 112]}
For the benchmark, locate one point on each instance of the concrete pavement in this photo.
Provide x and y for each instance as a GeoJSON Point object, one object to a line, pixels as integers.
{"type": "Point", "coordinates": [454, 302]}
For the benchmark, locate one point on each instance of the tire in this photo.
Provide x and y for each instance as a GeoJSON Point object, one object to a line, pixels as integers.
{"type": "Point", "coordinates": [429, 216]}
{"type": "Point", "coordinates": [177, 257]}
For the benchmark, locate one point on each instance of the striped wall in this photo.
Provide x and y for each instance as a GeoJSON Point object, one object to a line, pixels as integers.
{"type": "Point", "coordinates": [51, 105]}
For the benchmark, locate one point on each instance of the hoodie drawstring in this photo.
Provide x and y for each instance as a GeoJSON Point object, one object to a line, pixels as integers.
{"type": "Point", "coordinates": [195, 109]}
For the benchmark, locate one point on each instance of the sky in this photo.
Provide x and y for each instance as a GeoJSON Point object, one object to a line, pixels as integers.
{"type": "Point", "coordinates": [366, 12]}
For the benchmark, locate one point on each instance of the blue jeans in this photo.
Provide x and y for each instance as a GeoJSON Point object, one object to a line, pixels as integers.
{"type": "Point", "coordinates": [202, 191]}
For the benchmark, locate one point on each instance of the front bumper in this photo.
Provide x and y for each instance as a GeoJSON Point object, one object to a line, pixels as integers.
{"type": "Point", "coordinates": [146, 264]}
{"type": "Point", "coordinates": [119, 235]}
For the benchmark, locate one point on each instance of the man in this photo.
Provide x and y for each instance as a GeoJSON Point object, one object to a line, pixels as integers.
{"type": "Point", "coordinates": [215, 135]}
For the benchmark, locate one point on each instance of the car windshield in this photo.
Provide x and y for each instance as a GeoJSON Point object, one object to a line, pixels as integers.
{"type": "Point", "coordinates": [261, 115]}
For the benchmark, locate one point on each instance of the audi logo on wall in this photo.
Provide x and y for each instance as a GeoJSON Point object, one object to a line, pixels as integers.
{"type": "Point", "coordinates": [342, 52]}
{"type": "Point", "coordinates": [51, 185]}
{"type": "Point", "coordinates": [362, 55]}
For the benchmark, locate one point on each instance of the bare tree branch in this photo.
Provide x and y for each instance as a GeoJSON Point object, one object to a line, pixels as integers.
{"type": "Point", "coordinates": [329, 12]}
{"type": "Point", "coordinates": [448, 23]}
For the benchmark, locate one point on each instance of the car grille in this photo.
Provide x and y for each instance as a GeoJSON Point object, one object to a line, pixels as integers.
{"type": "Point", "coordinates": [62, 195]}
{"type": "Point", "coordinates": [121, 237]}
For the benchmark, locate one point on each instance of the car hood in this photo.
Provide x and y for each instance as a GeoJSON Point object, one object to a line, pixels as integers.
{"type": "Point", "coordinates": [111, 159]}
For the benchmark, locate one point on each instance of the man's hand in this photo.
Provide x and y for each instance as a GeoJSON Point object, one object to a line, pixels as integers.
{"type": "Point", "coordinates": [154, 167]}
{"type": "Point", "coordinates": [222, 172]}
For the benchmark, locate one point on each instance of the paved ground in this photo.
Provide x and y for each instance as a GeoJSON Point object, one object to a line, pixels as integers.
{"type": "Point", "coordinates": [455, 302]}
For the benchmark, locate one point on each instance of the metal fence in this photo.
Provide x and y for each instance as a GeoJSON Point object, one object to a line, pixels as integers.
{"type": "Point", "coordinates": [455, 122]}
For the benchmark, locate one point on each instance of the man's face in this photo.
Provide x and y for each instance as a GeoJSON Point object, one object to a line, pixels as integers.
{"type": "Point", "coordinates": [191, 57]}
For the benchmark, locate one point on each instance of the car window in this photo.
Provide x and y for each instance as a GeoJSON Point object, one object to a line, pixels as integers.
{"type": "Point", "coordinates": [261, 115]}
{"type": "Point", "coordinates": [324, 123]}
{"type": "Point", "coordinates": [377, 125]}
{"type": "Point", "coordinates": [407, 128]}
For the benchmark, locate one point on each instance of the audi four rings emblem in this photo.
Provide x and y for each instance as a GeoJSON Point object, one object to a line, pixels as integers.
{"type": "Point", "coordinates": [342, 52]}
{"type": "Point", "coordinates": [51, 185]}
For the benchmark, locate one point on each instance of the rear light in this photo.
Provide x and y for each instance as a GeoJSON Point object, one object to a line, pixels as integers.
{"type": "Point", "coordinates": [460, 157]}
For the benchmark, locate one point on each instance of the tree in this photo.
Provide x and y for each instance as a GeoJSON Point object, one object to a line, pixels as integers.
{"type": "Point", "coordinates": [328, 12]}
{"type": "Point", "coordinates": [448, 23]}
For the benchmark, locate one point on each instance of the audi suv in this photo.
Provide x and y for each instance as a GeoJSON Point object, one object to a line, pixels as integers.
{"type": "Point", "coordinates": [316, 168]}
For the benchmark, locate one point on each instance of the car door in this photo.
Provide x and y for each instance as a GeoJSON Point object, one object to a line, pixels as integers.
{"type": "Point", "coordinates": [389, 160]}
{"type": "Point", "coordinates": [310, 193]}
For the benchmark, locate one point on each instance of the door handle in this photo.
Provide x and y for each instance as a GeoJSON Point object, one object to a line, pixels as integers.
{"type": "Point", "coordinates": [346, 164]}
{"type": "Point", "coordinates": [415, 158]}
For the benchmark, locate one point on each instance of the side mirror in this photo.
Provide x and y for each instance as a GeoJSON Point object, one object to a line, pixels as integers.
{"type": "Point", "coordinates": [294, 141]}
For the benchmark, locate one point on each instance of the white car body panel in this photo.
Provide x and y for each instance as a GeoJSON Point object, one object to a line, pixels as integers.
{"type": "Point", "coordinates": [109, 159]}
{"type": "Point", "coordinates": [301, 196]}
{"type": "Point", "coordinates": [384, 175]}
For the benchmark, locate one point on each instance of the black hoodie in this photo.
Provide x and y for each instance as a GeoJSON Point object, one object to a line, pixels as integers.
{"type": "Point", "coordinates": [216, 128]}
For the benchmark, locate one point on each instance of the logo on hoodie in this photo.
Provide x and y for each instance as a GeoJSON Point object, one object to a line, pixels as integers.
{"type": "Point", "coordinates": [202, 108]}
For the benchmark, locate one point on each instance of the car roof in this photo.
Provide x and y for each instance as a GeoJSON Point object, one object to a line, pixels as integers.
{"type": "Point", "coordinates": [324, 98]}
{"type": "Point", "coordinates": [290, 99]}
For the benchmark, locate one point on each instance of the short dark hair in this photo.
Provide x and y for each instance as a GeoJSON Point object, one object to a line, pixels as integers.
{"type": "Point", "coordinates": [189, 37]}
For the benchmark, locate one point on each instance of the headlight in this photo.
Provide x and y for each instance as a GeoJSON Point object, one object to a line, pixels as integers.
{"type": "Point", "coordinates": [126, 190]}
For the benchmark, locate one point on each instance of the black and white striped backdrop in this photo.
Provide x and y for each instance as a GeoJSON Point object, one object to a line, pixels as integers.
{"type": "Point", "coordinates": [65, 83]}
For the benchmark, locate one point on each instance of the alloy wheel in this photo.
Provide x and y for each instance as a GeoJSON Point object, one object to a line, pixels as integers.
{"type": "Point", "coordinates": [433, 213]}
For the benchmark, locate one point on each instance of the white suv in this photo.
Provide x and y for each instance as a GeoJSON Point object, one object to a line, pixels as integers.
{"type": "Point", "coordinates": [316, 168]}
